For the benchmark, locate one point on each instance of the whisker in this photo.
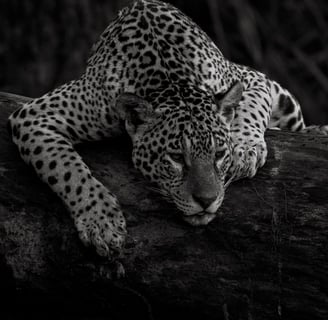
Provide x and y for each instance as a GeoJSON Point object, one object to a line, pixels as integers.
{"type": "Point", "coordinates": [132, 183]}
{"type": "Point", "coordinates": [228, 182]}
{"type": "Point", "coordinates": [158, 190]}
{"type": "Point", "coordinates": [164, 194]}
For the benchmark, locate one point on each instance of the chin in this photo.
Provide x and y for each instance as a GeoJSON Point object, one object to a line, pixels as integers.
{"type": "Point", "coordinates": [199, 219]}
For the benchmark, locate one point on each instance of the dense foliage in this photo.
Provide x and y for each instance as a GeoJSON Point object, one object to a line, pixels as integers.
{"type": "Point", "coordinates": [45, 43]}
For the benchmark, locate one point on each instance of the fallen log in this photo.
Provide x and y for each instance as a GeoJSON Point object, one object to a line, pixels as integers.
{"type": "Point", "coordinates": [266, 257]}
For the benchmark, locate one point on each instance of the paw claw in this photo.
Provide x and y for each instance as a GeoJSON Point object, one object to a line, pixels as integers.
{"type": "Point", "coordinates": [100, 245]}
{"type": "Point", "coordinates": [120, 271]}
{"type": "Point", "coordinates": [84, 238]}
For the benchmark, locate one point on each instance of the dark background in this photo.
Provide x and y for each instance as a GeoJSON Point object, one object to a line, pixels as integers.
{"type": "Point", "coordinates": [46, 43]}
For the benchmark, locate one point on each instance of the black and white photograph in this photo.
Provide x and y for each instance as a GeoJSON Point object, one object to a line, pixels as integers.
{"type": "Point", "coordinates": [164, 159]}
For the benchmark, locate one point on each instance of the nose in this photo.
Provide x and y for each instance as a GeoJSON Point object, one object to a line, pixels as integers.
{"type": "Point", "coordinates": [204, 201]}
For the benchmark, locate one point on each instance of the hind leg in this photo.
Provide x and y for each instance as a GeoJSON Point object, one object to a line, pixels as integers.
{"type": "Point", "coordinates": [287, 113]}
{"type": "Point", "coordinates": [321, 130]}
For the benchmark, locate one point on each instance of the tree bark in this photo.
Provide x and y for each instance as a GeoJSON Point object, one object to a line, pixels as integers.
{"type": "Point", "coordinates": [264, 258]}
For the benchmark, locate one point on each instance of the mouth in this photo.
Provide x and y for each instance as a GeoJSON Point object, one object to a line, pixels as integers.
{"type": "Point", "coordinates": [199, 219]}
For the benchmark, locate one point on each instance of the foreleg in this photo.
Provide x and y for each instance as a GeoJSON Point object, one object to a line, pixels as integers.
{"type": "Point", "coordinates": [251, 120]}
{"type": "Point", "coordinates": [44, 131]}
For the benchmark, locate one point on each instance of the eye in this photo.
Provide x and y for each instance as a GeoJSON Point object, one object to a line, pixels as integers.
{"type": "Point", "coordinates": [219, 154]}
{"type": "Point", "coordinates": [177, 157]}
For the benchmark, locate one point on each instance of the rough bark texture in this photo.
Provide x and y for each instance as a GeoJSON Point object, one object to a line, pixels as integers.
{"type": "Point", "coordinates": [265, 258]}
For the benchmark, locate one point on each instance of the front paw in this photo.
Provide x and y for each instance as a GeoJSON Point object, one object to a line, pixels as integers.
{"type": "Point", "coordinates": [247, 159]}
{"type": "Point", "coordinates": [102, 228]}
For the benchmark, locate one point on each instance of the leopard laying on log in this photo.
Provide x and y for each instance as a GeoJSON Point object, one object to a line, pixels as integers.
{"type": "Point", "coordinates": [196, 120]}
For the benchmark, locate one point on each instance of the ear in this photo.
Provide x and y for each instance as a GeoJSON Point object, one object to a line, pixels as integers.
{"type": "Point", "coordinates": [134, 111]}
{"type": "Point", "coordinates": [228, 102]}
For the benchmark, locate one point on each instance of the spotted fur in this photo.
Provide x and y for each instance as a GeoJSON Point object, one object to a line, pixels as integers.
{"type": "Point", "coordinates": [196, 120]}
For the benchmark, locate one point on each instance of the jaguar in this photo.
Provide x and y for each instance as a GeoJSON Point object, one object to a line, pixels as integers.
{"type": "Point", "coordinates": [196, 120]}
